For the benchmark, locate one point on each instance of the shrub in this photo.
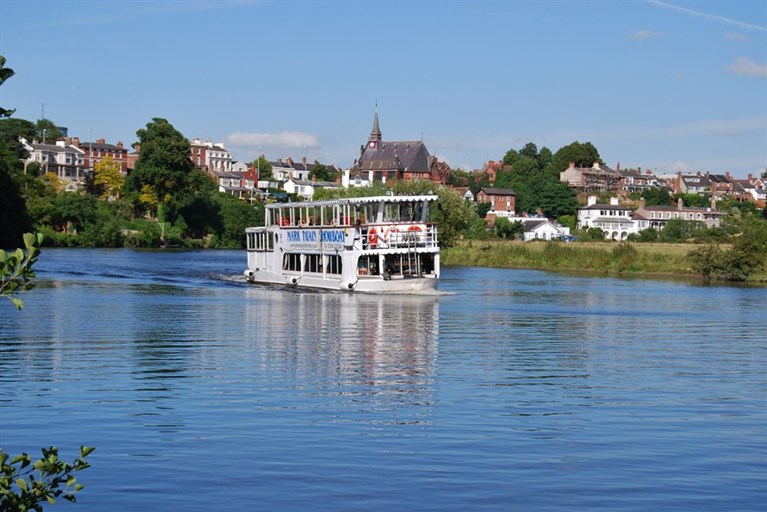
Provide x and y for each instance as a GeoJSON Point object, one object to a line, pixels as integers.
{"type": "Point", "coordinates": [25, 487]}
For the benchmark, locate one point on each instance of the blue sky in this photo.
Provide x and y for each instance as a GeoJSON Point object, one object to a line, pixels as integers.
{"type": "Point", "coordinates": [663, 85]}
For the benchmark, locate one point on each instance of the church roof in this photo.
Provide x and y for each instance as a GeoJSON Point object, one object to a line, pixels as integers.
{"type": "Point", "coordinates": [410, 156]}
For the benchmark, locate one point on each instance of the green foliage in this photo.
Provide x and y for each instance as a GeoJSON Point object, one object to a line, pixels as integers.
{"type": "Point", "coordinates": [263, 167]}
{"type": "Point", "coordinates": [235, 216]}
{"type": "Point", "coordinates": [504, 228]}
{"type": "Point", "coordinates": [164, 162]}
{"type": "Point", "coordinates": [625, 255]}
{"type": "Point", "coordinates": [646, 235]}
{"type": "Point", "coordinates": [656, 196]}
{"type": "Point", "coordinates": [26, 485]}
{"type": "Point", "coordinates": [570, 221]}
{"type": "Point", "coordinates": [591, 234]}
{"type": "Point", "coordinates": [5, 74]}
{"type": "Point", "coordinates": [692, 200]}
{"type": "Point", "coordinates": [16, 269]}
{"type": "Point", "coordinates": [483, 208]}
{"type": "Point", "coordinates": [584, 155]}
{"type": "Point", "coordinates": [47, 131]}
{"type": "Point", "coordinates": [745, 257]}
{"type": "Point", "coordinates": [678, 230]}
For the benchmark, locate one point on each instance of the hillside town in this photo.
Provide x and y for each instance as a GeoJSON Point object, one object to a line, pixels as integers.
{"type": "Point", "coordinates": [382, 160]}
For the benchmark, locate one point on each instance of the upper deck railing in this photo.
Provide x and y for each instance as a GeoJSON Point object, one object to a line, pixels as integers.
{"type": "Point", "coordinates": [346, 212]}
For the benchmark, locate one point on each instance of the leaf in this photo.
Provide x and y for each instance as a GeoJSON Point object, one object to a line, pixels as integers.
{"type": "Point", "coordinates": [86, 450]}
{"type": "Point", "coordinates": [17, 302]}
{"type": "Point", "coordinates": [22, 484]}
{"type": "Point", "coordinates": [71, 480]}
{"type": "Point", "coordinates": [50, 499]}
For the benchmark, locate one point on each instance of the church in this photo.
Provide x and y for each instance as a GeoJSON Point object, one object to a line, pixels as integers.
{"type": "Point", "coordinates": [396, 160]}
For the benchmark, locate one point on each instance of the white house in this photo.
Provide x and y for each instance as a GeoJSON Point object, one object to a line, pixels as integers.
{"type": "Point", "coordinates": [306, 188]}
{"type": "Point", "coordinates": [613, 219]}
{"type": "Point", "coordinates": [543, 229]}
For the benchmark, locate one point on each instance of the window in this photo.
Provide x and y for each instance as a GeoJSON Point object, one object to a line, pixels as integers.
{"type": "Point", "coordinates": [291, 261]}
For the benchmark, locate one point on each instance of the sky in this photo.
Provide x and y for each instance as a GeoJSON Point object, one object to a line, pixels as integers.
{"type": "Point", "coordinates": [666, 85]}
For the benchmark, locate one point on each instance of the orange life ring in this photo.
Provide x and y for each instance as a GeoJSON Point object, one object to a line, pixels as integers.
{"type": "Point", "coordinates": [372, 237]}
{"type": "Point", "coordinates": [414, 228]}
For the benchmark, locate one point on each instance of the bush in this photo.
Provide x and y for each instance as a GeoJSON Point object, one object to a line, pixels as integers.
{"type": "Point", "coordinates": [25, 487]}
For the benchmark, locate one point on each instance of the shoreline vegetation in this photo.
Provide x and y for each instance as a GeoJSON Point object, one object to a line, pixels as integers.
{"type": "Point", "coordinates": [592, 258]}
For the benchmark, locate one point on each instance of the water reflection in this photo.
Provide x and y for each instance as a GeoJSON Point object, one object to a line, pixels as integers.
{"type": "Point", "coordinates": [366, 353]}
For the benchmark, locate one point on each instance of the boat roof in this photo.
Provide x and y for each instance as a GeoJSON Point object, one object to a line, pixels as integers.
{"type": "Point", "coordinates": [357, 200]}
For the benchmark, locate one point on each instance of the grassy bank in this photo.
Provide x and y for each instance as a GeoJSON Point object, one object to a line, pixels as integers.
{"type": "Point", "coordinates": [590, 257]}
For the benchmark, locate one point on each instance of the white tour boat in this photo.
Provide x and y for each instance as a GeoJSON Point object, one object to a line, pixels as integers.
{"type": "Point", "coordinates": [362, 244]}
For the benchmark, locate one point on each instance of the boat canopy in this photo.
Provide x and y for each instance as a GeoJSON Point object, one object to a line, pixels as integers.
{"type": "Point", "coordinates": [356, 200]}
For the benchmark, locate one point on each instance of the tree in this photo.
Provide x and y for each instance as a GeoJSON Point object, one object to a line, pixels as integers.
{"type": "Point", "coordinates": [319, 172]}
{"type": "Point", "coordinates": [263, 167]}
{"type": "Point", "coordinates": [14, 219]}
{"type": "Point", "coordinates": [5, 74]}
{"type": "Point", "coordinates": [43, 480]}
{"type": "Point", "coordinates": [584, 155]}
{"type": "Point", "coordinates": [164, 161]}
{"type": "Point", "coordinates": [16, 269]}
{"type": "Point", "coordinates": [656, 196]}
{"type": "Point", "coordinates": [47, 131]}
{"type": "Point", "coordinates": [557, 199]}
{"type": "Point", "coordinates": [108, 178]}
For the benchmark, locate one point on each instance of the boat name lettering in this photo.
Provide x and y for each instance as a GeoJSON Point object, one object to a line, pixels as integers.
{"type": "Point", "coordinates": [334, 237]}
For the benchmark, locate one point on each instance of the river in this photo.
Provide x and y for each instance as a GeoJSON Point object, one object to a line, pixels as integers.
{"type": "Point", "coordinates": [507, 390]}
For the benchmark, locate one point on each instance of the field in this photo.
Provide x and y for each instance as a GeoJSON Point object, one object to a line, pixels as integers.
{"type": "Point", "coordinates": [586, 257]}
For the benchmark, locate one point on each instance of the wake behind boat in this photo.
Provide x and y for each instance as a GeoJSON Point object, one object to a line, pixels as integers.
{"type": "Point", "coordinates": [364, 244]}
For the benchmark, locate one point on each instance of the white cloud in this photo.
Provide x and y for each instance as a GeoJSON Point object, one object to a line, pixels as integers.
{"type": "Point", "coordinates": [745, 66]}
{"type": "Point", "coordinates": [641, 35]}
{"type": "Point", "coordinates": [281, 140]}
{"type": "Point", "coordinates": [710, 17]}
{"type": "Point", "coordinates": [735, 36]}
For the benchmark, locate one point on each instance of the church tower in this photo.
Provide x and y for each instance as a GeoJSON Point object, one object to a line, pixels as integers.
{"type": "Point", "coordinates": [375, 134]}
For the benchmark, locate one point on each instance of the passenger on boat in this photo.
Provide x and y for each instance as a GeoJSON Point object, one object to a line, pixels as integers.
{"type": "Point", "coordinates": [358, 235]}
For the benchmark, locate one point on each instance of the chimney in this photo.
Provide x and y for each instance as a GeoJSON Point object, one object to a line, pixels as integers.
{"type": "Point", "coordinates": [641, 204]}
{"type": "Point", "coordinates": [750, 178]}
{"type": "Point", "coordinates": [713, 203]}
{"type": "Point", "coordinates": [680, 204]}
{"type": "Point", "coordinates": [728, 175]}
{"type": "Point", "coordinates": [614, 201]}
{"type": "Point", "coordinates": [120, 144]}
{"type": "Point", "coordinates": [592, 201]}
{"type": "Point", "coordinates": [639, 169]}
{"type": "Point", "coordinates": [101, 141]}
{"type": "Point", "coordinates": [76, 142]}
{"type": "Point", "coordinates": [618, 167]}
{"type": "Point", "coordinates": [572, 164]}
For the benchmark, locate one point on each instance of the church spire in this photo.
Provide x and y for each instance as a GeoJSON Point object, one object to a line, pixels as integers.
{"type": "Point", "coordinates": [375, 133]}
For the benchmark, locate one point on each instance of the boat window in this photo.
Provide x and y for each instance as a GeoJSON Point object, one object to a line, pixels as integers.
{"type": "Point", "coordinates": [368, 265]}
{"type": "Point", "coordinates": [291, 261]}
{"type": "Point", "coordinates": [333, 264]}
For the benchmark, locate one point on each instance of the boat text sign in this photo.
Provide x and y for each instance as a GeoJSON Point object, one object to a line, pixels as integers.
{"type": "Point", "coordinates": [314, 239]}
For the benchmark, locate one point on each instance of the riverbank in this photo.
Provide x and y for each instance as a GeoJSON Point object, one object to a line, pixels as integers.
{"type": "Point", "coordinates": [588, 257]}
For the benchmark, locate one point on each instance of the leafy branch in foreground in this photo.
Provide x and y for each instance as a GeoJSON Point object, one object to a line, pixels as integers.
{"type": "Point", "coordinates": [16, 268]}
{"type": "Point", "coordinates": [26, 487]}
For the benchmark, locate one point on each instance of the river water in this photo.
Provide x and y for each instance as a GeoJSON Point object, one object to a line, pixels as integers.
{"type": "Point", "coordinates": [508, 390]}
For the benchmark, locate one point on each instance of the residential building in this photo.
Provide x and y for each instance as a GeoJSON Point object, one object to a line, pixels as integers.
{"type": "Point", "coordinates": [98, 150]}
{"type": "Point", "coordinates": [503, 201]}
{"type": "Point", "coordinates": [210, 157]}
{"type": "Point", "coordinates": [306, 188]}
{"type": "Point", "coordinates": [613, 219]}
{"type": "Point", "coordinates": [63, 159]}
{"type": "Point", "coordinates": [543, 229]}
{"type": "Point", "coordinates": [657, 216]}
{"type": "Point", "coordinates": [591, 179]}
